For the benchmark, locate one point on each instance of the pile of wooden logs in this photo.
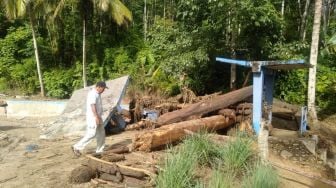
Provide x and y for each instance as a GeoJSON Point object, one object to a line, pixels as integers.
{"type": "Point", "coordinates": [109, 170]}
{"type": "Point", "coordinates": [219, 112]}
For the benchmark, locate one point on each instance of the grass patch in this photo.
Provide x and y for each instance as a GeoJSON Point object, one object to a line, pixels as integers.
{"type": "Point", "coordinates": [261, 176]}
{"type": "Point", "coordinates": [177, 170]}
{"type": "Point", "coordinates": [220, 179]}
{"type": "Point", "coordinates": [202, 147]}
{"type": "Point", "coordinates": [182, 162]}
{"type": "Point", "coordinates": [237, 153]}
{"type": "Point", "coordinates": [231, 165]}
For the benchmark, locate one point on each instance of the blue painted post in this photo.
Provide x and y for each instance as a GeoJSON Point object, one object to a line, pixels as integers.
{"type": "Point", "coordinates": [303, 125]}
{"type": "Point", "coordinates": [258, 80]}
{"type": "Point", "coordinates": [269, 85]}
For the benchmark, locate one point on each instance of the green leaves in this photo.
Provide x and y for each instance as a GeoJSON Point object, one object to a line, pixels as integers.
{"type": "Point", "coordinates": [176, 50]}
{"type": "Point", "coordinates": [116, 9]}
{"type": "Point", "coordinates": [16, 60]}
{"type": "Point", "coordinates": [330, 47]}
{"type": "Point", "coordinates": [59, 83]}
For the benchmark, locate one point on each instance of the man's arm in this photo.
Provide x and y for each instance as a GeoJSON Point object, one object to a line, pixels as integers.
{"type": "Point", "coordinates": [97, 117]}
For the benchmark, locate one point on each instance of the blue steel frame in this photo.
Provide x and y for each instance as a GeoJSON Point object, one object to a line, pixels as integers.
{"type": "Point", "coordinates": [304, 121]}
{"type": "Point", "coordinates": [263, 84]}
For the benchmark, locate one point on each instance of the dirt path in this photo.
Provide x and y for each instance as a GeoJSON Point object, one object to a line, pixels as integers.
{"type": "Point", "coordinates": [27, 161]}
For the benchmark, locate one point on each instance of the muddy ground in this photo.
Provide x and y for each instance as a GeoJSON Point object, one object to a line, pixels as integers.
{"type": "Point", "coordinates": [27, 161]}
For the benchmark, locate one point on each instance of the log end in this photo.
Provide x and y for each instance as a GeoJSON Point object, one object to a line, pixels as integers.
{"type": "Point", "coordinates": [82, 174]}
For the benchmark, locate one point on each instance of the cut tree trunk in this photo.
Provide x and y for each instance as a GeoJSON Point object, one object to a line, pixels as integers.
{"type": "Point", "coordinates": [227, 113]}
{"type": "Point", "coordinates": [113, 168]}
{"type": "Point", "coordinates": [114, 178]}
{"type": "Point", "coordinates": [156, 138]}
{"type": "Point", "coordinates": [203, 107]}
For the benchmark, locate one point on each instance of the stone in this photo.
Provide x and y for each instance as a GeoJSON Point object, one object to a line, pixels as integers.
{"type": "Point", "coordinates": [286, 154]}
{"type": "Point", "coordinates": [310, 145]}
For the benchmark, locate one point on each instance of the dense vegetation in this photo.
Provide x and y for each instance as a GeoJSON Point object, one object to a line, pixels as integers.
{"type": "Point", "coordinates": [163, 45]}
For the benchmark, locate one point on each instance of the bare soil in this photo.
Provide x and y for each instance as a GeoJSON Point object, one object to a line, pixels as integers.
{"type": "Point", "coordinates": [28, 161]}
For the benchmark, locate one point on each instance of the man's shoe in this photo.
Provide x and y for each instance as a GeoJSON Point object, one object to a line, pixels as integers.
{"type": "Point", "coordinates": [76, 152]}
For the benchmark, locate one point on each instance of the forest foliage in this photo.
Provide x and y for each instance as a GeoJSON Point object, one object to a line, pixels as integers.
{"type": "Point", "coordinates": [169, 45]}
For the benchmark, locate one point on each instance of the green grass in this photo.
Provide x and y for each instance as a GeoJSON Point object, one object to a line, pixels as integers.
{"type": "Point", "coordinates": [200, 145]}
{"type": "Point", "coordinates": [261, 176]}
{"type": "Point", "coordinates": [237, 153]}
{"type": "Point", "coordinates": [233, 165]}
{"type": "Point", "coordinates": [182, 162]}
{"type": "Point", "coordinates": [221, 179]}
{"type": "Point", "coordinates": [177, 170]}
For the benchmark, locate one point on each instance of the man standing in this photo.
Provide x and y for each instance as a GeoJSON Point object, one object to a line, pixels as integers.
{"type": "Point", "coordinates": [95, 127]}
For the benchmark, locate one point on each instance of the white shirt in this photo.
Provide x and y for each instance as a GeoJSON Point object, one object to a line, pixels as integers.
{"type": "Point", "coordinates": [94, 98]}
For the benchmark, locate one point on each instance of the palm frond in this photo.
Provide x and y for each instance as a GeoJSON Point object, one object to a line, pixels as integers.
{"type": "Point", "coordinates": [116, 9]}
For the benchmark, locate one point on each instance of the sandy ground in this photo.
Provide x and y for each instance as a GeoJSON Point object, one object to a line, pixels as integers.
{"type": "Point", "coordinates": [27, 161]}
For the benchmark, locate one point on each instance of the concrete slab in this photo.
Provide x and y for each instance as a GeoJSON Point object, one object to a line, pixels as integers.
{"type": "Point", "coordinates": [72, 121]}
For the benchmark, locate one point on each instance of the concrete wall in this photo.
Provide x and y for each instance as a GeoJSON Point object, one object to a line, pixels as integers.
{"type": "Point", "coordinates": [26, 108]}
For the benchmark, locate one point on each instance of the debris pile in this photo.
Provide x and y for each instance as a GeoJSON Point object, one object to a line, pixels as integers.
{"type": "Point", "coordinates": [212, 114]}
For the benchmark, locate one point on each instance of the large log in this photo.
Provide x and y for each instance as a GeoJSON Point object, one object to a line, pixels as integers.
{"type": "Point", "coordinates": [155, 138]}
{"type": "Point", "coordinates": [203, 107]}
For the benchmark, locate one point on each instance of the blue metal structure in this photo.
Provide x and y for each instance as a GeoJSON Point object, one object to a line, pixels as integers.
{"type": "Point", "coordinates": [263, 84]}
{"type": "Point", "coordinates": [304, 120]}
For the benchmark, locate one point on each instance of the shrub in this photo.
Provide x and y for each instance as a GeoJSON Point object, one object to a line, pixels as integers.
{"type": "Point", "coordinates": [59, 83]}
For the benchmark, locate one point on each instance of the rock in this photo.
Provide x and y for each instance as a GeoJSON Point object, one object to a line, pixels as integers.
{"type": "Point", "coordinates": [286, 154]}
{"type": "Point", "coordinates": [322, 154]}
{"type": "Point", "coordinates": [4, 139]}
{"type": "Point", "coordinates": [310, 145]}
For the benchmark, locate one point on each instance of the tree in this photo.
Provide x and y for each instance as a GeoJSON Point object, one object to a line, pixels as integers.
{"type": "Point", "coordinates": [313, 60]}
{"type": "Point", "coordinates": [115, 9]}
{"type": "Point", "coordinates": [19, 9]}
{"type": "Point", "coordinates": [304, 21]}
